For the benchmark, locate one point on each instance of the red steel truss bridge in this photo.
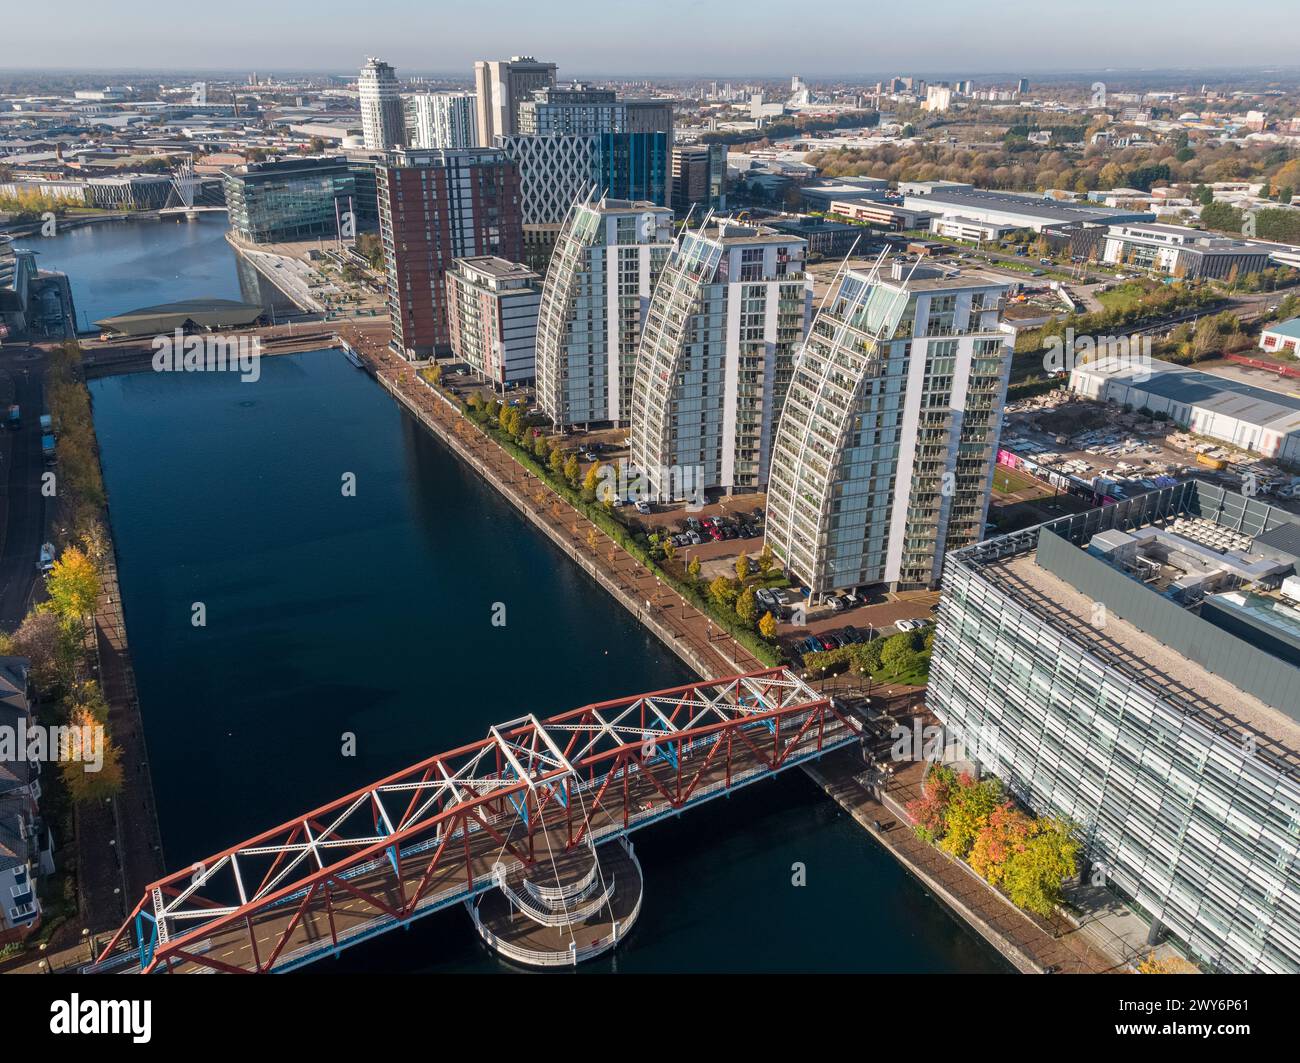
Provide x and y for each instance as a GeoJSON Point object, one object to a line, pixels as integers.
{"type": "Point", "coordinates": [527, 828]}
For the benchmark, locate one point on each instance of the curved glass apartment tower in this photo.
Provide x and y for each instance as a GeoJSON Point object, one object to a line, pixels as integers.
{"type": "Point", "coordinates": [885, 451]}
{"type": "Point", "coordinates": [598, 287]}
{"type": "Point", "coordinates": [717, 353]}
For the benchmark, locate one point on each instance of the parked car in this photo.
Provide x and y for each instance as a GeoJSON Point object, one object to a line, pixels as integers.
{"type": "Point", "coordinates": [643, 506]}
{"type": "Point", "coordinates": [836, 603]}
{"type": "Point", "coordinates": [695, 538]}
{"type": "Point", "coordinates": [827, 642]}
{"type": "Point", "coordinates": [812, 644]}
{"type": "Point", "coordinates": [852, 635]}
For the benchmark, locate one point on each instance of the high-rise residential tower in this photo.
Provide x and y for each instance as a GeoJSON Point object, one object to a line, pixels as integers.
{"type": "Point", "coordinates": [888, 437]}
{"type": "Point", "coordinates": [501, 86]}
{"type": "Point", "coordinates": [440, 120]}
{"type": "Point", "coordinates": [436, 206]}
{"type": "Point", "coordinates": [381, 106]}
{"type": "Point", "coordinates": [575, 108]}
{"type": "Point", "coordinates": [717, 351]}
{"type": "Point", "coordinates": [598, 288]}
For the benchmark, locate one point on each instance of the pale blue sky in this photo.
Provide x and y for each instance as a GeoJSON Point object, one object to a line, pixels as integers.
{"type": "Point", "coordinates": [707, 37]}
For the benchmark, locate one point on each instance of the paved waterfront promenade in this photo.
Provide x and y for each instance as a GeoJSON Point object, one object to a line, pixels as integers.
{"type": "Point", "coordinates": [119, 848]}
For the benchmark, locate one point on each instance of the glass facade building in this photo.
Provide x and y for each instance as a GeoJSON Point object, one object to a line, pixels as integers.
{"type": "Point", "coordinates": [289, 199]}
{"type": "Point", "coordinates": [1174, 746]}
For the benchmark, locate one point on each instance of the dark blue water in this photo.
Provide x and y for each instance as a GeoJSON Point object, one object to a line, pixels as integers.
{"type": "Point", "coordinates": [371, 615]}
{"type": "Point", "coordinates": [115, 267]}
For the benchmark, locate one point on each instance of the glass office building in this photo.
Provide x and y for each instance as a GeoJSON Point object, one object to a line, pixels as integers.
{"type": "Point", "coordinates": [290, 199]}
{"type": "Point", "coordinates": [1083, 660]}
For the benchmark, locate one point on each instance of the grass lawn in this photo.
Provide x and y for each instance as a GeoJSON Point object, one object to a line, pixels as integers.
{"type": "Point", "coordinates": [1123, 296]}
{"type": "Point", "coordinates": [1007, 481]}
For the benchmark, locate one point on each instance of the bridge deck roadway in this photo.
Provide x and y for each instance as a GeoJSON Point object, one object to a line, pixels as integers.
{"type": "Point", "coordinates": [336, 917]}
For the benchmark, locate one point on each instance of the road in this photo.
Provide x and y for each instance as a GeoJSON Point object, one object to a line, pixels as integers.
{"type": "Point", "coordinates": [25, 524]}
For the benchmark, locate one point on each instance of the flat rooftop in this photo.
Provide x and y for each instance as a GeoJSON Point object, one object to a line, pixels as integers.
{"type": "Point", "coordinates": [736, 233]}
{"type": "Point", "coordinates": [1172, 677]}
{"type": "Point", "coordinates": [500, 268]}
{"type": "Point", "coordinates": [1010, 203]}
{"type": "Point", "coordinates": [1192, 387]}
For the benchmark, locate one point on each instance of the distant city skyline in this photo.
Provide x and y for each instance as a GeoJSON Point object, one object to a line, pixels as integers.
{"type": "Point", "coordinates": [762, 38]}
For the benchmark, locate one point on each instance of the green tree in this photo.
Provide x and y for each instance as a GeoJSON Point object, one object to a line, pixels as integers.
{"type": "Point", "coordinates": [73, 585]}
{"type": "Point", "coordinates": [765, 560]}
{"type": "Point", "coordinates": [590, 482]}
{"type": "Point", "coordinates": [693, 569]}
{"type": "Point", "coordinates": [747, 606]}
{"type": "Point", "coordinates": [724, 592]}
{"type": "Point", "coordinates": [1034, 873]}
{"type": "Point", "coordinates": [895, 650]}
{"type": "Point", "coordinates": [556, 461]}
{"type": "Point", "coordinates": [969, 807]}
{"type": "Point", "coordinates": [572, 469]}
{"type": "Point", "coordinates": [742, 566]}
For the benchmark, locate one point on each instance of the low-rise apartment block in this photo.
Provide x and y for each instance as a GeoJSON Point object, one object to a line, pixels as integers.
{"type": "Point", "coordinates": [492, 315]}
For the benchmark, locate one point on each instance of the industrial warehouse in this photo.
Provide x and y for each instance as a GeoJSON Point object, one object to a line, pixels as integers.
{"type": "Point", "coordinates": [1255, 419]}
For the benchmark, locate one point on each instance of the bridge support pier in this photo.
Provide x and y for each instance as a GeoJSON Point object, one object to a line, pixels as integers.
{"type": "Point", "coordinates": [567, 907]}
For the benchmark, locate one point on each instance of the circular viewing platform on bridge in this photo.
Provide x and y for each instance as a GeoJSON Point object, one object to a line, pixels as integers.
{"type": "Point", "coordinates": [559, 913]}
